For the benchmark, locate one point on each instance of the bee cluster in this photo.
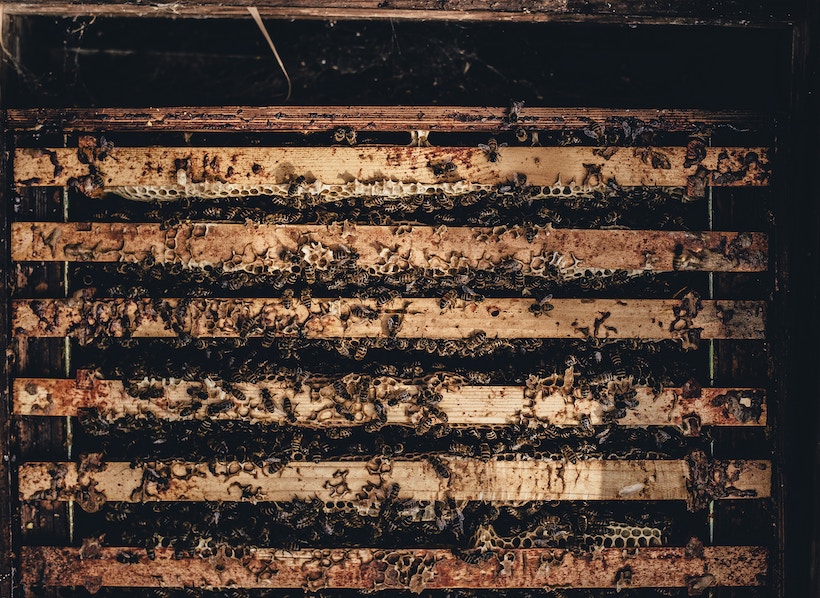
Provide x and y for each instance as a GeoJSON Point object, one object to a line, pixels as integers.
{"type": "Point", "coordinates": [476, 531]}
{"type": "Point", "coordinates": [270, 396]}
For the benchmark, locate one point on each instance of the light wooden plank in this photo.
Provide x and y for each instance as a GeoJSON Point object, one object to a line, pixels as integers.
{"type": "Point", "coordinates": [389, 249]}
{"type": "Point", "coordinates": [467, 405]}
{"type": "Point", "coordinates": [419, 318]}
{"type": "Point", "coordinates": [258, 166]}
{"type": "Point", "coordinates": [469, 479]}
{"type": "Point", "coordinates": [368, 118]}
{"type": "Point", "coordinates": [365, 568]}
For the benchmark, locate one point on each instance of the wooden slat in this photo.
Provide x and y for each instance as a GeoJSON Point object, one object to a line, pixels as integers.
{"type": "Point", "coordinates": [667, 12]}
{"type": "Point", "coordinates": [469, 479]}
{"type": "Point", "coordinates": [256, 166]}
{"type": "Point", "coordinates": [366, 118]}
{"type": "Point", "coordinates": [667, 567]}
{"type": "Point", "coordinates": [423, 247]}
{"type": "Point", "coordinates": [468, 405]}
{"type": "Point", "coordinates": [420, 318]}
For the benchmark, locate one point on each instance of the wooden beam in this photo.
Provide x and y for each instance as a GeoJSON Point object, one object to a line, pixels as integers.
{"type": "Point", "coordinates": [364, 568]}
{"type": "Point", "coordinates": [469, 479]}
{"type": "Point", "coordinates": [369, 118]}
{"type": "Point", "coordinates": [175, 167]}
{"type": "Point", "coordinates": [383, 248]}
{"type": "Point", "coordinates": [314, 406]}
{"type": "Point", "coordinates": [624, 12]}
{"type": "Point", "coordinates": [404, 318]}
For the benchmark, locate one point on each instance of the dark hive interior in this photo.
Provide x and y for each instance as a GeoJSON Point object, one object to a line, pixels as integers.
{"type": "Point", "coordinates": [271, 395]}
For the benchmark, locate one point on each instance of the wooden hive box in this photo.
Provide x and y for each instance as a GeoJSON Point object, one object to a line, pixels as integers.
{"type": "Point", "coordinates": [430, 349]}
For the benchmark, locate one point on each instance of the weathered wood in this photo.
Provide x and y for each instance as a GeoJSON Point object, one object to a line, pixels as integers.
{"type": "Point", "coordinates": [666, 12]}
{"type": "Point", "coordinates": [468, 405]}
{"type": "Point", "coordinates": [336, 166]}
{"type": "Point", "coordinates": [8, 562]}
{"type": "Point", "coordinates": [404, 318]}
{"type": "Point", "coordinates": [368, 118]}
{"type": "Point", "coordinates": [469, 479]}
{"type": "Point", "coordinates": [365, 568]}
{"type": "Point", "coordinates": [382, 248]}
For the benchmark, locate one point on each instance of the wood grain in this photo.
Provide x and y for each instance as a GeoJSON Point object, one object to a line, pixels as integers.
{"type": "Point", "coordinates": [360, 567]}
{"type": "Point", "coordinates": [465, 406]}
{"type": "Point", "coordinates": [420, 318]}
{"type": "Point", "coordinates": [249, 166]}
{"type": "Point", "coordinates": [469, 479]}
{"type": "Point", "coordinates": [423, 247]}
{"type": "Point", "coordinates": [368, 118]}
{"type": "Point", "coordinates": [731, 13]}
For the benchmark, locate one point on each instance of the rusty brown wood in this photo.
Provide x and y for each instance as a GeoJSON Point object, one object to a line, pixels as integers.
{"type": "Point", "coordinates": [469, 479]}
{"type": "Point", "coordinates": [167, 167]}
{"type": "Point", "coordinates": [467, 405]}
{"type": "Point", "coordinates": [421, 247]}
{"type": "Point", "coordinates": [412, 318]}
{"type": "Point", "coordinates": [367, 118]}
{"type": "Point", "coordinates": [364, 568]}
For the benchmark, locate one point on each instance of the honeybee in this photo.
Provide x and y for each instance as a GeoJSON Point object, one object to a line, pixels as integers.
{"type": "Point", "coordinates": [362, 311]}
{"type": "Point", "coordinates": [585, 425]}
{"type": "Point", "coordinates": [530, 232]}
{"type": "Point", "coordinates": [438, 413]}
{"type": "Point", "coordinates": [381, 411]}
{"type": "Point", "coordinates": [268, 337]}
{"type": "Point", "coordinates": [361, 350]}
{"type": "Point", "coordinates": [345, 134]}
{"type": "Point", "coordinates": [127, 557]}
{"type": "Point", "coordinates": [521, 134]}
{"type": "Point", "coordinates": [220, 407]}
{"type": "Point", "coordinates": [340, 388]}
{"type": "Point", "coordinates": [595, 131]}
{"type": "Point", "coordinates": [267, 400]}
{"type": "Point", "coordinates": [439, 466]}
{"type": "Point", "coordinates": [287, 298]}
{"type": "Point", "coordinates": [652, 157]}
{"type": "Point", "coordinates": [623, 578]}
{"type": "Point", "coordinates": [306, 298]}
{"type": "Point", "coordinates": [476, 338]}
{"type": "Point", "coordinates": [444, 168]}
{"type": "Point", "coordinates": [295, 185]}
{"type": "Point", "coordinates": [491, 148]}
{"type": "Point", "coordinates": [464, 450]}
{"type": "Point", "coordinates": [484, 451]}
{"type": "Point", "coordinates": [617, 362]}
{"type": "Point", "coordinates": [542, 306]}
{"type": "Point", "coordinates": [296, 443]}
{"type": "Point", "coordinates": [287, 406]}
{"type": "Point", "coordinates": [695, 152]}
{"type": "Point", "coordinates": [310, 273]}
{"type": "Point", "coordinates": [393, 324]}
{"type": "Point", "coordinates": [448, 300]}
{"type": "Point", "coordinates": [424, 424]}
{"type": "Point", "coordinates": [385, 296]}
{"type": "Point", "coordinates": [468, 294]}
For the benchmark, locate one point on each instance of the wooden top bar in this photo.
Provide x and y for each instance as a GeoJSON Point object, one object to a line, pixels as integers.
{"type": "Point", "coordinates": [368, 118]}
{"type": "Point", "coordinates": [365, 568]}
{"type": "Point", "coordinates": [259, 166]}
{"type": "Point", "coordinates": [411, 318]}
{"type": "Point", "coordinates": [420, 247]}
{"type": "Point", "coordinates": [466, 406]}
{"type": "Point", "coordinates": [469, 479]}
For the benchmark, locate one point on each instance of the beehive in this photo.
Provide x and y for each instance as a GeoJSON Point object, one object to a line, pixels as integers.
{"type": "Point", "coordinates": [486, 365]}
